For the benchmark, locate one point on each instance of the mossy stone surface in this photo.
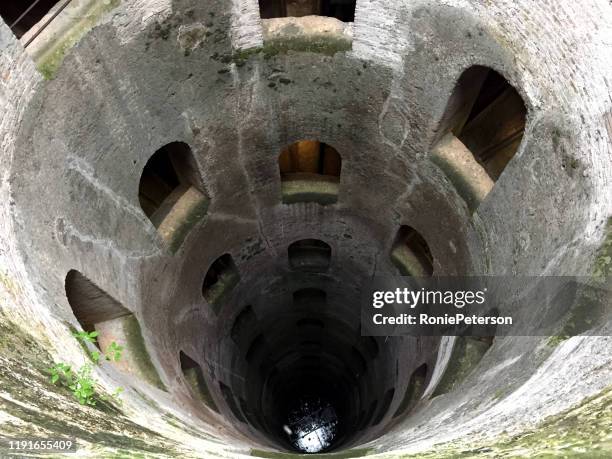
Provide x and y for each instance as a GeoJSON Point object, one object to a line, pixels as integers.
{"type": "Point", "coordinates": [582, 431]}
{"type": "Point", "coordinates": [49, 62]}
{"type": "Point", "coordinates": [137, 348]}
{"type": "Point", "coordinates": [40, 409]}
{"type": "Point", "coordinates": [466, 355]}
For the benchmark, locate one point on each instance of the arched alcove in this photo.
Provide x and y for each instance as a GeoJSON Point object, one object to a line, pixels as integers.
{"type": "Point", "coordinates": [194, 376]}
{"type": "Point", "coordinates": [97, 311]}
{"type": "Point", "coordinates": [415, 388]}
{"type": "Point", "coordinates": [171, 193]}
{"type": "Point", "coordinates": [311, 255]}
{"type": "Point", "coordinates": [410, 253]}
{"type": "Point", "coordinates": [480, 132]}
{"type": "Point", "coordinates": [222, 276]}
{"type": "Point", "coordinates": [310, 172]}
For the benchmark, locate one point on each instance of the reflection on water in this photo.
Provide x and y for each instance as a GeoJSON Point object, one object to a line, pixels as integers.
{"type": "Point", "coordinates": [311, 425]}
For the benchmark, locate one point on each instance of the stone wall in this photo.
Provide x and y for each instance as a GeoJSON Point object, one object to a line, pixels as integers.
{"type": "Point", "coordinates": [206, 73]}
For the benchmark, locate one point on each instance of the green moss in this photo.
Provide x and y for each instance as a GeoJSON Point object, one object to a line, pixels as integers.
{"type": "Point", "coordinates": [16, 344]}
{"type": "Point", "coordinates": [415, 389]}
{"type": "Point", "coordinates": [240, 57]}
{"type": "Point", "coordinates": [320, 44]}
{"type": "Point", "coordinates": [602, 269]}
{"type": "Point", "coordinates": [218, 292]}
{"type": "Point", "coordinates": [50, 61]}
{"type": "Point", "coordinates": [196, 381]}
{"type": "Point", "coordinates": [407, 262]}
{"type": "Point", "coordinates": [467, 353]}
{"type": "Point", "coordinates": [465, 185]}
{"type": "Point", "coordinates": [136, 345]}
{"type": "Point", "coordinates": [592, 299]}
{"type": "Point", "coordinates": [11, 286]}
{"type": "Point", "coordinates": [589, 308]}
{"type": "Point", "coordinates": [195, 214]}
{"type": "Point", "coordinates": [584, 430]}
{"type": "Point", "coordinates": [555, 340]}
{"type": "Point", "coordinates": [499, 394]}
{"type": "Point", "coordinates": [50, 410]}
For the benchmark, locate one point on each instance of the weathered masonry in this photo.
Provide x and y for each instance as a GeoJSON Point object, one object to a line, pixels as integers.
{"type": "Point", "coordinates": [208, 185]}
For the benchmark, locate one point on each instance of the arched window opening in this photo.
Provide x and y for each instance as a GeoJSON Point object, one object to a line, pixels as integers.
{"type": "Point", "coordinates": [194, 377]}
{"type": "Point", "coordinates": [249, 415]}
{"type": "Point", "coordinates": [481, 132]}
{"type": "Point", "coordinates": [311, 255]}
{"type": "Point", "coordinates": [344, 10]}
{"type": "Point", "coordinates": [171, 193]}
{"type": "Point", "coordinates": [495, 125]}
{"type": "Point", "coordinates": [268, 367]}
{"type": "Point", "coordinates": [256, 348]}
{"type": "Point", "coordinates": [384, 407]}
{"type": "Point", "coordinates": [365, 420]}
{"type": "Point", "coordinates": [310, 172]}
{"type": "Point", "coordinates": [228, 396]}
{"type": "Point", "coordinates": [411, 254]}
{"type": "Point", "coordinates": [244, 323]}
{"type": "Point", "coordinates": [23, 16]}
{"type": "Point", "coordinates": [416, 387]}
{"type": "Point", "coordinates": [97, 311]}
{"type": "Point", "coordinates": [221, 278]}
{"type": "Point", "coordinates": [309, 297]}
{"type": "Point", "coordinates": [90, 304]}
{"type": "Point", "coordinates": [467, 353]}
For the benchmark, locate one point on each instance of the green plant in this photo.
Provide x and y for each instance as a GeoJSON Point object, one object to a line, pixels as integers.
{"type": "Point", "coordinates": [83, 386]}
{"type": "Point", "coordinates": [95, 356]}
{"type": "Point", "coordinates": [86, 337]}
{"type": "Point", "coordinates": [114, 352]}
{"type": "Point", "coordinates": [60, 371]}
{"type": "Point", "coordinates": [81, 382]}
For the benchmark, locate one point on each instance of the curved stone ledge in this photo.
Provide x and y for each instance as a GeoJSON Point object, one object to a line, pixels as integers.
{"type": "Point", "coordinates": [309, 188]}
{"type": "Point", "coordinates": [469, 178]}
